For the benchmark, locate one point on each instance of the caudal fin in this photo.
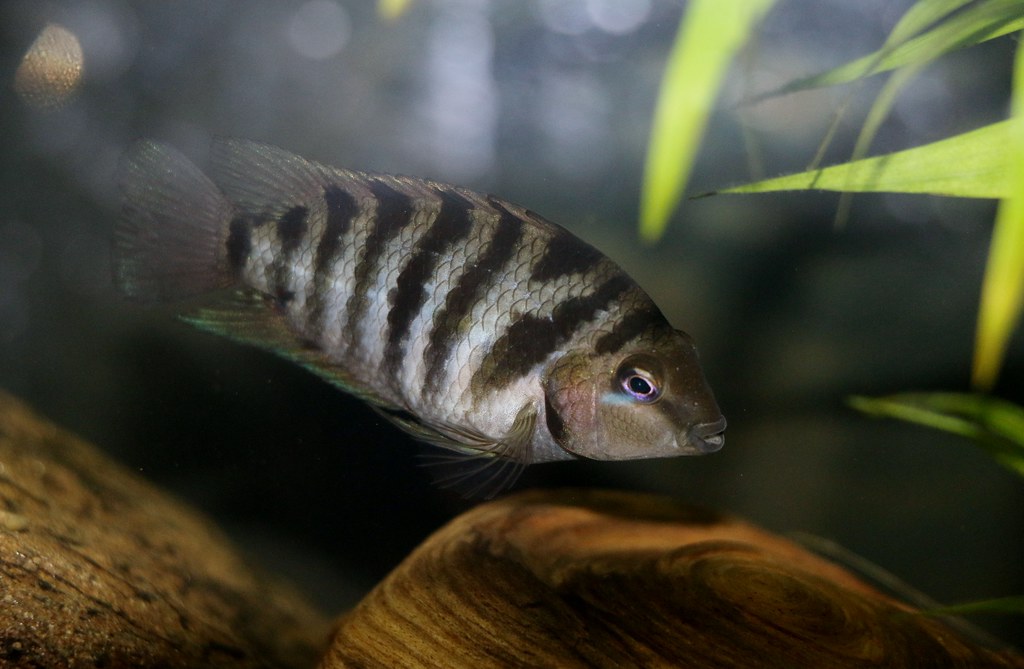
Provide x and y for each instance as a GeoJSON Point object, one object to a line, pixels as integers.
{"type": "Point", "coordinates": [170, 241]}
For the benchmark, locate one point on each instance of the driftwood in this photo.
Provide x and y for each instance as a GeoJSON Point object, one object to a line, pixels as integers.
{"type": "Point", "coordinates": [98, 569]}
{"type": "Point", "coordinates": [601, 579]}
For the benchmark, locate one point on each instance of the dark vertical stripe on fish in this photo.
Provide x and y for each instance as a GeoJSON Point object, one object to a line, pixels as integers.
{"type": "Point", "coordinates": [556, 426]}
{"type": "Point", "coordinates": [341, 211]}
{"type": "Point", "coordinates": [634, 324]}
{"type": "Point", "coordinates": [565, 255]}
{"type": "Point", "coordinates": [450, 227]}
{"type": "Point", "coordinates": [449, 321]}
{"type": "Point", "coordinates": [239, 243]}
{"type": "Point", "coordinates": [291, 231]}
{"type": "Point", "coordinates": [531, 339]}
{"type": "Point", "coordinates": [394, 210]}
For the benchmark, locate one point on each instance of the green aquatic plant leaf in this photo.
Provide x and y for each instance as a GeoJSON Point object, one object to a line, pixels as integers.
{"type": "Point", "coordinates": [993, 424]}
{"type": "Point", "coordinates": [709, 36]}
{"type": "Point", "coordinates": [921, 14]}
{"type": "Point", "coordinates": [918, 17]}
{"type": "Point", "coordinates": [972, 164]}
{"type": "Point", "coordinates": [1006, 605]}
{"type": "Point", "coordinates": [876, 115]}
{"type": "Point", "coordinates": [1002, 290]}
{"type": "Point", "coordinates": [982, 22]}
{"type": "Point", "coordinates": [987, 162]}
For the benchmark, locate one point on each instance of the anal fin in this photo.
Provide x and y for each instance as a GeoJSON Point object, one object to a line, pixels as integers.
{"type": "Point", "coordinates": [250, 318]}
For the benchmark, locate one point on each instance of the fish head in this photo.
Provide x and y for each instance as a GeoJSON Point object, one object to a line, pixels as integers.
{"type": "Point", "coordinates": [647, 400]}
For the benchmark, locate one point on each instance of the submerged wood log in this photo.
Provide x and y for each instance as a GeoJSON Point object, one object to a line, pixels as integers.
{"type": "Point", "coordinates": [602, 579]}
{"type": "Point", "coordinates": [99, 569]}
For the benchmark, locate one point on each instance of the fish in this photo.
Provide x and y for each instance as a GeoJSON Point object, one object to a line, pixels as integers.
{"type": "Point", "coordinates": [471, 323]}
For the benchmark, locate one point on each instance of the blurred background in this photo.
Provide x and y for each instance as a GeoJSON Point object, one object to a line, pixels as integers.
{"type": "Point", "coordinates": [547, 103]}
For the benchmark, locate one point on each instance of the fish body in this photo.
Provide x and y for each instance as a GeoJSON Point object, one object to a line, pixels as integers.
{"type": "Point", "coordinates": [470, 322]}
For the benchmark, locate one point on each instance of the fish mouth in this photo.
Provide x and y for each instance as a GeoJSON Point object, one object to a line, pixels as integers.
{"type": "Point", "coordinates": [707, 437]}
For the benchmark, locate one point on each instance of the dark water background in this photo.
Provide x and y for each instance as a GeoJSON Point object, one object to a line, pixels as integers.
{"type": "Point", "coordinates": [547, 104]}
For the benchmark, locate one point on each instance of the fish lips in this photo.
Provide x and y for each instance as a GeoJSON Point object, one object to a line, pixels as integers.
{"type": "Point", "coordinates": [703, 438]}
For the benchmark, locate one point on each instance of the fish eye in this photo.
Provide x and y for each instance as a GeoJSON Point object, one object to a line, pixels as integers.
{"type": "Point", "coordinates": [639, 384]}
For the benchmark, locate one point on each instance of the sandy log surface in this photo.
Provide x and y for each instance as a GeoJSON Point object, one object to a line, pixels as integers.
{"type": "Point", "coordinates": [100, 569]}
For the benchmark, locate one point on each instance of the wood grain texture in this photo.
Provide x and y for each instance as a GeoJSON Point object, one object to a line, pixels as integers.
{"type": "Point", "coordinates": [99, 569]}
{"type": "Point", "coordinates": [603, 579]}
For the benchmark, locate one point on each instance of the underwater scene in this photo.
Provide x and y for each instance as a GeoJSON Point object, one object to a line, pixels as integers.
{"type": "Point", "coordinates": [335, 272]}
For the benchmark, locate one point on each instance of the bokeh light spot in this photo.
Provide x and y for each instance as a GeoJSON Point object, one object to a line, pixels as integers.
{"type": "Point", "coordinates": [319, 29]}
{"type": "Point", "coordinates": [51, 70]}
{"type": "Point", "coordinates": [617, 17]}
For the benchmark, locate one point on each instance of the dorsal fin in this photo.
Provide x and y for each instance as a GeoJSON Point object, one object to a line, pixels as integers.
{"type": "Point", "coordinates": [262, 179]}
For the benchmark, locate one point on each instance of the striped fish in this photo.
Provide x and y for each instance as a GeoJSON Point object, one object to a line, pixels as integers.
{"type": "Point", "coordinates": [471, 323]}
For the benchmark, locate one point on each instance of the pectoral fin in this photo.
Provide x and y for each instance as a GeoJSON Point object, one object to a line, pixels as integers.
{"type": "Point", "coordinates": [477, 465]}
{"type": "Point", "coordinates": [515, 446]}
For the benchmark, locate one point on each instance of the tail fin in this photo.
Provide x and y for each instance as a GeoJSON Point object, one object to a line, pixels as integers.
{"type": "Point", "coordinates": [170, 241]}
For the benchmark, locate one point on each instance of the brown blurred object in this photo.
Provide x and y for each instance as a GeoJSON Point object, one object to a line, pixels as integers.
{"type": "Point", "coordinates": [51, 70]}
{"type": "Point", "coordinates": [98, 568]}
{"type": "Point", "coordinates": [605, 579]}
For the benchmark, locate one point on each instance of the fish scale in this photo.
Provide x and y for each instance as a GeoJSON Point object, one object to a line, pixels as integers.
{"type": "Point", "coordinates": [475, 320]}
{"type": "Point", "coordinates": [416, 366]}
{"type": "Point", "coordinates": [417, 361]}
{"type": "Point", "coordinates": [470, 322]}
{"type": "Point", "coordinates": [447, 226]}
{"type": "Point", "coordinates": [340, 208]}
{"type": "Point", "coordinates": [330, 219]}
{"type": "Point", "coordinates": [339, 332]}
{"type": "Point", "coordinates": [335, 329]}
{"type": "Point", "coordinates": [499, 238]}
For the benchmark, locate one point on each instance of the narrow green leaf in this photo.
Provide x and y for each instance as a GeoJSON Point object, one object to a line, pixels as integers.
{"type": "Point", "coordinates": [1010, 605]}
{"type": "Point", "coordinates": [973, 164]}
{"type": "Point", "coordinates": [980, 23]}
{"type": "Point", "coordinates": [1002, 291]}
{"type": "Point", "coordinates": [922, 14]}
{"type": "Point", "coordinates": [876, 115]}
{"type": "Point", "coordinates": [709, 35]}
{"type": "Point", "coordinates": [993, 424]}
